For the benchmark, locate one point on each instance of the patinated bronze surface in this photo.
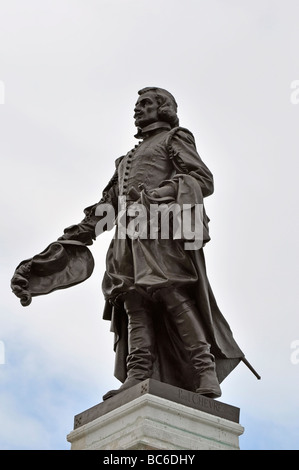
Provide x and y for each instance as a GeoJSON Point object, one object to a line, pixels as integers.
{"type": "Point", "coordinates": [163, 312]}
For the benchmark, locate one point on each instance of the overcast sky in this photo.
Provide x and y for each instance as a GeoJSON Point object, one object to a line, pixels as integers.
{"type": "Point", "coordinates": [71, 70]}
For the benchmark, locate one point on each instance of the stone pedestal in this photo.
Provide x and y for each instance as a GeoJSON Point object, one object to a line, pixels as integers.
{"type": "Point", "coordinates": [157, 416]}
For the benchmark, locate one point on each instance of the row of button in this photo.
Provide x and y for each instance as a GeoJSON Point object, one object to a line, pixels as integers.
{"type": "Point", "coordinates": [128, 166]}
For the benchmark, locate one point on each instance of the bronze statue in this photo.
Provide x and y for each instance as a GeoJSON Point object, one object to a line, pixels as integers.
{"type": "Point", "coordinates": [164, 315]}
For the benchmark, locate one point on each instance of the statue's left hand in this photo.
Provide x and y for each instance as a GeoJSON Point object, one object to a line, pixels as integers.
{"type": "Point", "coordinates": [164, 192]}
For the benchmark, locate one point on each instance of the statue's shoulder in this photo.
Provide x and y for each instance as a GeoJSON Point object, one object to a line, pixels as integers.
{"type": "Point", "coordinates": [118, 160]}
{"type": "Point", "coordinates": [179, 133]}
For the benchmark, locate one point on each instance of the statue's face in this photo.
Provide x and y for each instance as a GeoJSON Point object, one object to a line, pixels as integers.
{"type": "Point", "coordinates": [146, 110]}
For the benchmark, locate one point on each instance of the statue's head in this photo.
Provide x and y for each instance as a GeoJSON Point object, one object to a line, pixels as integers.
{"type": "Point", "coordinates": [155, 104]}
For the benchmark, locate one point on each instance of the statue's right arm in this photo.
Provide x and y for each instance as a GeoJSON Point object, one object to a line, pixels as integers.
{"type": "Point", "coordinates": [85, 231]}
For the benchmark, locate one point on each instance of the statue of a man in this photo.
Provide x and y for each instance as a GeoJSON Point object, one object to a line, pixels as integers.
{"type": "Point", "coordinates": [165, 318]}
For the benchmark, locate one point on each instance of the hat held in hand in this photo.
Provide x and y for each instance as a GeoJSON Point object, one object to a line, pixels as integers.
{"type": "Point", "coordinates": [62, 264]}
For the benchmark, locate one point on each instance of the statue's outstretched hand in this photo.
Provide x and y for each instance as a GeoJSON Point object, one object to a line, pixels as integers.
{"type": "Point", "coordinates": [62, 264]}
{"type": "Point", "coordinates": [20, 281]}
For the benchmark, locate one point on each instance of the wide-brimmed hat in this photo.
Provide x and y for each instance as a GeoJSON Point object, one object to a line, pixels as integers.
{"type": "Point", "coordinates": [62, 264]}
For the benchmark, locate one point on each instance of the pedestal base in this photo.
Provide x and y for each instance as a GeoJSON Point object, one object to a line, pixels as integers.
{"type": "Point", "coordinates": [150, 421]}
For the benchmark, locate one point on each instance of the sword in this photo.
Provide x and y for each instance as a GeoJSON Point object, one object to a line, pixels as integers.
{"type": "Point", "coordinates": [251, 368]}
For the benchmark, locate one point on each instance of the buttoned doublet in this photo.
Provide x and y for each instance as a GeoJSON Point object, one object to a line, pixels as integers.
{"type": "Point", "coordinates": [147, 164]}
{"type": "Point", "coordinates": [150, 264]}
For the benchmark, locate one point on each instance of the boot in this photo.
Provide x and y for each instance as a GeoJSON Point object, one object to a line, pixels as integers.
{"type": "Point", "coordinates": [140, 343]}
{"type": "Point", "coordinates": [186, 319]}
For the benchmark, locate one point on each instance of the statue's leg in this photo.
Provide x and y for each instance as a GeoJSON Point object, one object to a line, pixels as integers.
{"type": "Point", "coordinates": [186, 319]}
{"type": "Point", "coordinates": [141, 341]}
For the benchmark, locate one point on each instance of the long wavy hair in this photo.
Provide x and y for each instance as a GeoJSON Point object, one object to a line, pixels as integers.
{"type": "Point", "coordinates": [167, 110]}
